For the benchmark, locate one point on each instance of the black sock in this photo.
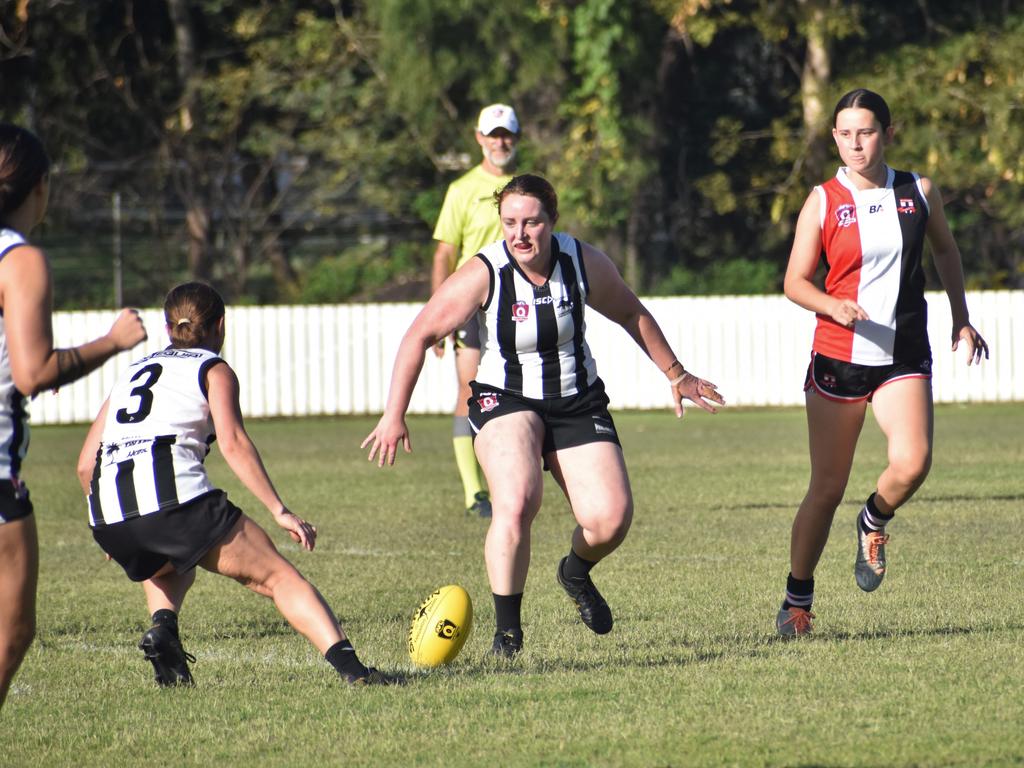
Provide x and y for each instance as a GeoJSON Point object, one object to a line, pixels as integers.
{"type": "Point", "coordinates": [575, 567]}
{"type": "Point", "coordinates": [507, 609]}
{"type": "Point", "coordinates": [870, 518]}
{"type": "Point", "coordinates": [799, 593]}
{"type": "Point", "coordinates": [342, 656]}
{"type": "Point", "coordinates": [166, 618]}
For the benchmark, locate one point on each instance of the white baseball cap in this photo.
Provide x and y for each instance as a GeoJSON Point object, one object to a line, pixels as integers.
{"type": "Point", "coordinates": [497, 116]}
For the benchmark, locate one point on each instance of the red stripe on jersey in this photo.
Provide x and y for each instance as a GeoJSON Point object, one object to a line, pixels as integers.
{"type": "Point", "coordinates": [841, 242]}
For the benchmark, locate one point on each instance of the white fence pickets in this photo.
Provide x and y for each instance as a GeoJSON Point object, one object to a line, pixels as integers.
{"type": "Point", "coordinates": [326, 360]}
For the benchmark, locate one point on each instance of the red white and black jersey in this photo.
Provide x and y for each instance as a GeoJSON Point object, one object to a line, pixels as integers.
{"type": "Point", "coordinates": [13, 414]}
{"type": "Point", "coordinates": [532, 336]}
{"type": "Point", "coordinates": [872, 241]}
{"type": "Point", "coordinates": [157, 434]}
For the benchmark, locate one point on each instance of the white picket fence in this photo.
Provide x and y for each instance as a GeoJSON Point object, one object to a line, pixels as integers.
{"type": "Point", "coordinates": [323, 360]}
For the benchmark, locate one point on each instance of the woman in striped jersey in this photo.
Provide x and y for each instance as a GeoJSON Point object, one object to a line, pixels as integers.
{"type": "Point", "coordinates": [537, 401]}
{"type": "Point", "coordinates": [29, 364]}
{"type": "Point", "coordinates": [871, 343]}
{"type": "Point", "coordinates": [154, 510]}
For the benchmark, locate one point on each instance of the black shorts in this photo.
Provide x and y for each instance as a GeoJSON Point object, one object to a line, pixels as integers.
{"type": "Point", "coordinates": [468, 336]}
{"type": "Point", "coordinates": [181, 536]}
{"type": "Point", "coordinates": [568, 421]}
{"type": "Point", "coordinates": [849, 382]}
{"type": "Point", "coordinates": [14, 501]}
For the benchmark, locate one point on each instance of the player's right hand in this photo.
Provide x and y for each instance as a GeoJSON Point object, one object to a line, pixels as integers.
{"type": "Point", "coordinates": [439, 349]}
{"type": "Point", "coordinates": [300, 530]}
{"type": "Point", "coordinates": [127, 330]}
{"type": "Point", "coordinates": [847, 311]}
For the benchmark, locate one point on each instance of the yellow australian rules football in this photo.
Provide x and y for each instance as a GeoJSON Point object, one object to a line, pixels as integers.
{"type": "Point", "coordinates": [440, 626]}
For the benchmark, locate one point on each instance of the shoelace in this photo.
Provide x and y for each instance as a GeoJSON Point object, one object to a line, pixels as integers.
{"type": "Point", "coordinates": [151, 654]}
{"type": "Point", "coordinates": [875, 542]}
{"type": "Point", "coordinates": [800, 619]}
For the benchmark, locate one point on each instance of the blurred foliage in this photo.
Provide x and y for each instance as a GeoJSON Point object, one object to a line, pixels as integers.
{"type": "Point", "coordinates": [735, 276]}
{"type": "Point", "coordinates": [298, 150]}
{"type": "Point", "coordinates": [376, 271]}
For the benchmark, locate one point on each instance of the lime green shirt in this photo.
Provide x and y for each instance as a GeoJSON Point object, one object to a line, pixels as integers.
{"type": "Point", "coordinates": [468, 218]}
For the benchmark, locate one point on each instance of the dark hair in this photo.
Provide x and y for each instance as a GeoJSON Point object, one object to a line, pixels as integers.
{"type": "Point", "coordinates": [192, 311]}
{"type": "Point", "coordinates": [532, 186]}
{"type": "Point", "coordinates": [23, 164]}
{"type": "Point", "coordinates": [862, 98]}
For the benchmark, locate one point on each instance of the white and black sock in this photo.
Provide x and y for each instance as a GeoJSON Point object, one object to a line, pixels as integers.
{"type": "Point", "coordinates": [871, 519]}
{"type": "Point", "coordinates": [799, 593]}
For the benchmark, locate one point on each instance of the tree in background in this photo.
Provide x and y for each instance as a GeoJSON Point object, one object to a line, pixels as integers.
{"type": "Point", "coordinates": [298, 150]}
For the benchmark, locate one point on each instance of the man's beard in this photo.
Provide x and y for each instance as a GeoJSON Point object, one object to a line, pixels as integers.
{"type": "Point", "coordinates": [507, 161]}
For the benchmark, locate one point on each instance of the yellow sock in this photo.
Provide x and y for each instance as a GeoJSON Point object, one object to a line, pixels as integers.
{"type": "Point", "coordinates": [469, 470]}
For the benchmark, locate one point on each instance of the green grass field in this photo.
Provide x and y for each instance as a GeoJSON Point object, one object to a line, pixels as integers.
{"type": "Point", "coordinates": [929, 670]}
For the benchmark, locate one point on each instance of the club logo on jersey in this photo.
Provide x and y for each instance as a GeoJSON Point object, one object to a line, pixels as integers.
{"type": "Point", "coordinates": [906, 205]}
{"type": "Point", "coordinates": [487, 401]}
{"type": "Point", "coordinates": [846, 215]}
{"type": "Point", "coordinates": [520, 311]}
{"type": "Point", "coordinates": [564, 307]}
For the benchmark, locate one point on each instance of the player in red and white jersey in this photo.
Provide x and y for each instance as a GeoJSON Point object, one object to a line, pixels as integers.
{"type": "Point", "coordinates": [872, 240]}
{"type": "Point", "coordinates": [871, 345]}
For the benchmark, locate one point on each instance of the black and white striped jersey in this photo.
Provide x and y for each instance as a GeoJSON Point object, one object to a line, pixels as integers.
{"type": "Point", "coordinates": [13, 414]}
{"type": "Point", "coordinates": [532, 336]}
{"type": "Point", "coordinates": [157, 434]}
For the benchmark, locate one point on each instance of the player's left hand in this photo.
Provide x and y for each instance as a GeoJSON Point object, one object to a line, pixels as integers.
{"type": "Point", "coordinates": [976, 345]}
{"type": "Point", "coordinates": [698, 391]}
{"type": "Point", "coordinates": [384, 439]}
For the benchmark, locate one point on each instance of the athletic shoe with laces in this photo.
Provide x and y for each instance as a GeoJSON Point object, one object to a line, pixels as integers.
{"type": "Point", "coordinates": [869, 569]}
{"type": "Point", "coordinates": [594, 611]}
{"type": "Point", "coordinates": [481, 506]}
{"type": "Point", "coordinates": [372, 676]}
{"type": "Point", "coordinates": [507, 643]}
{"type": "Point", "coordinates": [163, 650]}
{"type": "Point", "coordinates": [794, 622]}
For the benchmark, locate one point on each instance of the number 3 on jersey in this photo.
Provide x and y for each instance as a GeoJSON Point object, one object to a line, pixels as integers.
{"type": "Point", "coordinates": [143, 392]}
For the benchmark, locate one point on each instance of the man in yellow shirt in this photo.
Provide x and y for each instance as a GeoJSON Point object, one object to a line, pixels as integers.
{"type": "Point", "coordinates": [468, 221]}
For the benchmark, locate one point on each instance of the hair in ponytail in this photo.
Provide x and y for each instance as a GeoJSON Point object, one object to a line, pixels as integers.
{"type": "Point", "coordinates": [191, 311]}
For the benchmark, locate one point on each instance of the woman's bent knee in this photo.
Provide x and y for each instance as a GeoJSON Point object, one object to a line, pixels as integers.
{"type": "Point", "coordinates": [621, 524]}
{"type": "Point", "coordinates": [911, 471]}
{"type": "Point", "coordinates": [612, 527]}
{"type": "Point", "coordinates": [514, 517]}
